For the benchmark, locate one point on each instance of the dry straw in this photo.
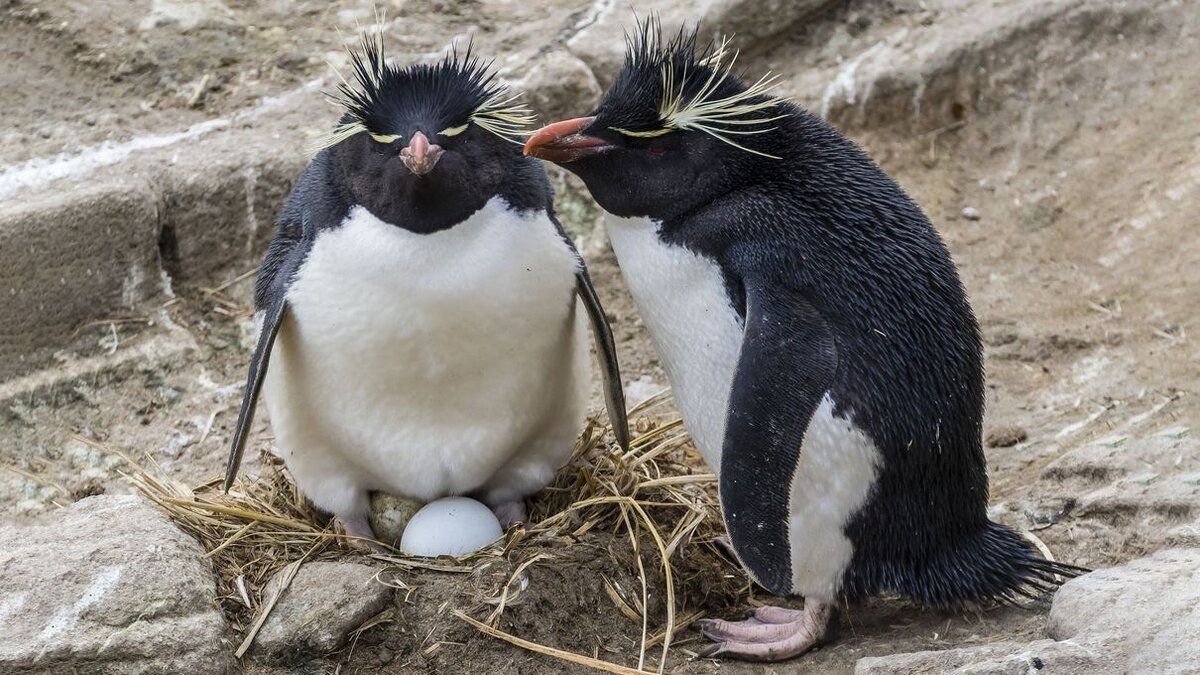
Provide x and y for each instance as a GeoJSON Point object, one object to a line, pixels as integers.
{"type": "Point", "coordinates": [657, 497]}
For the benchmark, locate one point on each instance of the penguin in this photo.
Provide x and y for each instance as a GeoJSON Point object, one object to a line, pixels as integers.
{"type": "Point", "coordinates": [420, 308]}
{"type": "Point", "coordinates": [818, 339]}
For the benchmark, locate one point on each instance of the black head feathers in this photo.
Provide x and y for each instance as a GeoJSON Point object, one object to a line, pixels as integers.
{"type": "Point", "coordinates": [457, 91]}
{"type": "Point", "coordinates": [670, 84]}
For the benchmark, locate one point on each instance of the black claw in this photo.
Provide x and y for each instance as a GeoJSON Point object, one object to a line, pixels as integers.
{"type": "Point", "coordinates": [710, 650]}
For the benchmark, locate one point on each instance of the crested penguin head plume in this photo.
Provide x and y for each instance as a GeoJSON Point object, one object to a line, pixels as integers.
{"type": "Point", "coordinates": [423, 146]}
{"type": "Point", "coordinates": [676, 126]}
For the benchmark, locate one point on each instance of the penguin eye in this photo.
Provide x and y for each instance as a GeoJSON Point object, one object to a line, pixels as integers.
{"type": "Point", "coordinates": [453, 131]}
{"type": "Point", "coordinates": [385, 139]}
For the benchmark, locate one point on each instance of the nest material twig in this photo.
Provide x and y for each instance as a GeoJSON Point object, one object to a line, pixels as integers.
{"type": "Point", "coordinates": [657, 492]}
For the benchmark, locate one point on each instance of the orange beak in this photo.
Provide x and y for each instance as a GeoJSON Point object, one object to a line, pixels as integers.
{"type": "Point", "coordinates": [565, 141]}
{"type": "Point", "coordinates": [420, 157]}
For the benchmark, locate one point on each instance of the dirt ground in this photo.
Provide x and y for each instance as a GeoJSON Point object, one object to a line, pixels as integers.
{"type": "Point", "coordinates": [1062, 166]}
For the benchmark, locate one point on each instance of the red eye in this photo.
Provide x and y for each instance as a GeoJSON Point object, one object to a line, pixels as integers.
{"type": "Point", "coordinates": [658, 149]}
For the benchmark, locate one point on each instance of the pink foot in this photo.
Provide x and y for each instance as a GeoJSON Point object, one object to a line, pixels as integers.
{"type": "Point", "coordinates": [771, 633]}
{"type": "Point", "coordinates": [359, 527]}
{"type": "Point", "coordinates": [510, 513]}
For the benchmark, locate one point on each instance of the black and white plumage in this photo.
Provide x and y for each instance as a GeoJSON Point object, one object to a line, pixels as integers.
{"type": "Point", "coordinates": [817, 337]}
{"type": "Point", "coordinates": [422, 311]}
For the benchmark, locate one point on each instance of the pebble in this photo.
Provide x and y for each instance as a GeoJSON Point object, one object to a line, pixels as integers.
{"type": "Point", "coordinates": [390, 515]}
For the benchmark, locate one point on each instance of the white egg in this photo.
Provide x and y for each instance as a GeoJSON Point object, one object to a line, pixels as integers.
{"type": "Point", "coordinates": [450, 526]}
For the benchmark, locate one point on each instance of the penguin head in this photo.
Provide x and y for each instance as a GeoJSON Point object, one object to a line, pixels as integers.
{"type": "Point", "coordinates": [676, 129]}
{"type": "Point", "coordinates": [423, 146]}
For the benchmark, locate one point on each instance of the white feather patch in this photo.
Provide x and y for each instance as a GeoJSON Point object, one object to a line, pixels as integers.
{"type": "Point", "coordinates": [698, 334]}
{"type": "Point", "coordinates": [430, 365]}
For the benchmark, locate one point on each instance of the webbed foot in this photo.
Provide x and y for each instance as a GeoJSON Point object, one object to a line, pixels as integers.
{"type": "Point", "coordinates": [359, 527]}
{"type": "Point", "coordinates": [771, 633]}
{"type": "Point", "coordinates": [510, 513]}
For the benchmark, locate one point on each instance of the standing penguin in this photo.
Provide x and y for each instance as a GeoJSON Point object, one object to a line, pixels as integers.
{"type": "Point", "coordinates": [817, 337]}
{"type": "Point", "coordinates": [418, 303]}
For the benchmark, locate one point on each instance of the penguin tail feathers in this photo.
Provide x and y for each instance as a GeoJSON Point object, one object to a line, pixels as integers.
{"type": "Point", "coordinates": [997, 565]}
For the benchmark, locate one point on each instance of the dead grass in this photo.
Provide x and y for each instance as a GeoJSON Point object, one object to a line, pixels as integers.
{"type": "Point", "coordinates": [656, 497]}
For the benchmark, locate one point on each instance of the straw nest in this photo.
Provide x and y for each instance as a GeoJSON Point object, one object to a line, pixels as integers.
{"type": "Point", "coordinates": [657, 499]}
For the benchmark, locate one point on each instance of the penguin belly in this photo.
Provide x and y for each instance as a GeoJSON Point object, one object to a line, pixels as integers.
{"type": "Point", "coordinates": [698, 334]}
{"type": "Point", "coordinates": [429, 365]}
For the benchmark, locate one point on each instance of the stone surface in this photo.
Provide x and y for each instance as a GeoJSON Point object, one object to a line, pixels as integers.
{"type": "Point", "coordinates": [1146, 612]}
{"type": "Point", "coordinates": [221, 207]}
{"type": "Point", "coordinates": [103, 232]}
{"type": "Point", "coordinates": [598, 45]}
{"type": "Point", "coordinates": [1043, 657]}
{"type": "Point", "coordinates": [67, 261]}
{"type": "Point", "coordinates": [108, 585]}
{"type": "Point", "coordinates": [1141, 617]}
{"type": "Point", "coordinates": [557, 85]}
{"type": "Point", "coordinates": [1184, 535]}
{"type": "Point", "coordinates": [317, 611]}
{"type": "Point", "coordinates": [1152, 480]}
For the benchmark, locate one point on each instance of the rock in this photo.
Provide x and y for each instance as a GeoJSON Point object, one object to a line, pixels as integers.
{"type": "Point", "coordinates": [317, 611]}
{"type": "Point", "coordinates": [1005, 658]}
{"type": "Point", "coordinates": [1005, 436]}
{"type": "Point", "coordinates": [1150, 483]}
{"type": "Point", "coordinates": [558, 86]}
{"type": "Point", "coordinates": [971, 213]}
{"type": "Point", "coordinates": [66, 261]}
{"type": "Point", "coordinates": [1142, 617]}
{"type": "Point", "coordinates": [1146, 612]}
{"type": "Point", "coordinates": [185, 15]}
{"type": "Point", "coordinates": [751, 21]}
{"type": "Point", "coordinates": [390, 515]}
{"type": "Point", "coordinates": [108, 585]}
{"type": "Point", "coordinates": [1184, 535]}
{"type": "Point", "coordinates": [598, 46]}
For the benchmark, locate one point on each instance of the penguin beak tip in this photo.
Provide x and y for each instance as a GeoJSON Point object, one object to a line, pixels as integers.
{"type": "Point", "coordinates": [420, 156]}
{"type": "Point", "coordinates": [565, 141]}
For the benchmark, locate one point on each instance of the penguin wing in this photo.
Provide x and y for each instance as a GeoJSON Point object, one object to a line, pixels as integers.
{"type": "Point", "coordinates": [283, 258]}
{"type": "Point", "coordinates": [606, 350]}
{"type": "Point", "coordinates": [787, 363]}
{"type": "Point", "coordinates": [272, 319]}
{"type": "Point", "coordinates": [606, 347]}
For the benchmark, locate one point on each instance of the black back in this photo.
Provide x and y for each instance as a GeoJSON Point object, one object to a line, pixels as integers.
{"type": "Point", "coordinates": [794, 205]}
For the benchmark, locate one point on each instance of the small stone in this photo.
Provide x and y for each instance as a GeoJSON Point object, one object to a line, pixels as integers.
{"type": "Point", "coordinates": [970, 213]}
{"type": "Point", "coordinates": [1005, 436]}
{"type": "Point", "coordinates": [1184, 535]}
{"type": "Point", "coordinates": [317, 611]}
{"type": "Point", "coordinates": [390, 515]}
{"type": "Point", "coordinates": [384, 656]}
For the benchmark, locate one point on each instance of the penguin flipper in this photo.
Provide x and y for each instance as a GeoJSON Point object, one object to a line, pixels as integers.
{"type": "Point", "coordinates": [272, 320]}
{"type": "Point", "coordinates": [787, 364]}
{"type": "Point", "coordinates": [606, 349]}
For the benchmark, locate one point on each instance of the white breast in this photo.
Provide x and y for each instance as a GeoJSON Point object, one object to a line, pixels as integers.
{"type": "Point", "coordinates": [428, 365]}
{"type": "Point", "coordinates": [698, 335]}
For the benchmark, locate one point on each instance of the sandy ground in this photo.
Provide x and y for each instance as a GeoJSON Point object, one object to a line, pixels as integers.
{"type": "Point", "coordinates": [1065, 185]}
